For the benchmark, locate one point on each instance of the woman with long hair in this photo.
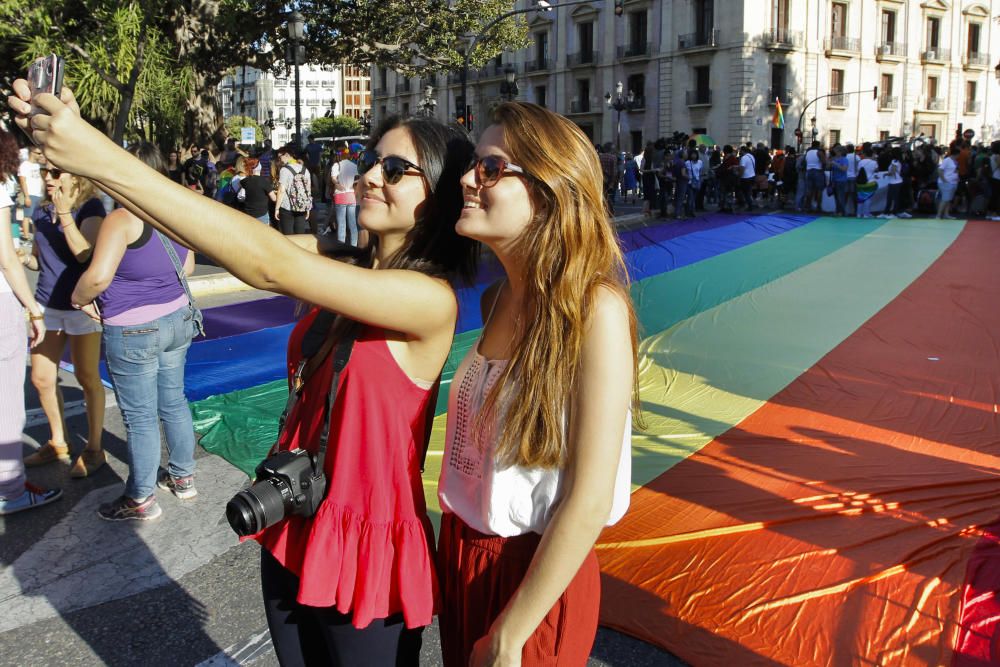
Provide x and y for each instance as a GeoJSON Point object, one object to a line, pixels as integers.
{"type": "Point", "coordinates": [537, 454]}
{"type": "Point", "coordinates": [148, 323]}
{"type": "Point", "coordinates": [16, 495]}
{"type": "Point", "coordinates": [354, 583]}
{"type": "Point", "coordinates": [65, 229]}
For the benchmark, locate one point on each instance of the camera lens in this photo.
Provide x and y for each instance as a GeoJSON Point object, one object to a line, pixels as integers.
{"type": "Point", "coordinates": [254, 509]}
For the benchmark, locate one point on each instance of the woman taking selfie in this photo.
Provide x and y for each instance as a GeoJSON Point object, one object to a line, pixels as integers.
{"type": "Point", "coordinates": [354, 583]}
{"type": "Point", "coordinates": [66, 227]}
{"type": "Point", "coordinates": [537, 457]}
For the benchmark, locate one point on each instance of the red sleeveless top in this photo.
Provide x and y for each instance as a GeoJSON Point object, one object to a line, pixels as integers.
{"type": "Point", "coordinates": [368, 548]}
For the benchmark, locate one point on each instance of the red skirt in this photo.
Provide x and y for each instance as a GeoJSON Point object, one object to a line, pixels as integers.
{"type": "Point", "coordinates": [480, 573]}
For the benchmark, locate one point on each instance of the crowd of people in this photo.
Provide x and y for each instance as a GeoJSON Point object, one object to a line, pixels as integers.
{"type": "Point", "coordinates": [680, 179]}
{"type": "Point", "coordinates": [537, 455]}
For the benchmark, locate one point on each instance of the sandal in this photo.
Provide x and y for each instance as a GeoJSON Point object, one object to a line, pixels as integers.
{"type": "Point", "coordinates": [87, 463]}
{"type": "Point", "coordinates": [48, 453]}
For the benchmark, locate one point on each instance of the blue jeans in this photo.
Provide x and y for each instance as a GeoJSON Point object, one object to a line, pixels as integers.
{"type": "Point", "coordinates": [146, 365]}
{"type": "Point", "coordinates": [840, 196]}
{"type": "Point", "coordinates": [347, 219]}
{"type": "Point", "coordinates": [680, 196]}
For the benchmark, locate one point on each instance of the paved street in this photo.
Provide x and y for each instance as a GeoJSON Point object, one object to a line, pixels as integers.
{"type": "Point", "coordinates": [76, 590]}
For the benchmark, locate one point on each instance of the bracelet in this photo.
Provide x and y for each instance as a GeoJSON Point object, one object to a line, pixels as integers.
{"type": "Point", "coordinates": [64, 212]}
{"type": "Point", "coordinates": [35, 318]}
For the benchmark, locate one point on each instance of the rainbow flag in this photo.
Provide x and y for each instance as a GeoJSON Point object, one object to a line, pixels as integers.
{"type": "Point", "coordinates": [779, 116]}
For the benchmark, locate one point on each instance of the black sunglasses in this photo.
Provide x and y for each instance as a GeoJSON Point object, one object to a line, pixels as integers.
{"type": "Point", "coordinates": [393, 166]}
{"type": "Point", "coordinates": [51, 171]}
{"type": "Point", "coordinates": [490, 169]}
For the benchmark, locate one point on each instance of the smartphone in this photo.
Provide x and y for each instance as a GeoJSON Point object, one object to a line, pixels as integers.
{"type": "Point", "coordinates": [45, 75]}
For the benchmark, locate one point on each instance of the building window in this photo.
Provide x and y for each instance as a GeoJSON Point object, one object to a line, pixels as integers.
{"type": "Point", "coordinates": [704, 20]}
{"type": "Point", "coordinates": [883, 135]}
{"type": "Point", "coordinates": [542, 47]}
{"type": "Point", "coordinates": [932, 87]}
{"type": "Point", "coordinates": [585, 35]}
{"type": "Point", "coordinates": [406, 109]}
{"type": "Point", "coordinates": [834, 137]}
{"type": "Point", "coordinates": [583, 95]}
{"type": "Point", "coordinates": [540, 96]}
{"type": "Point", "coordinates": [888, 26]}
{"type": "Point", "coordinates": [837, 98]}
{"type": "Point", "coordinates": [933, 33]}
{"type": "Point", "coordinates": [637, 29]}
{"type": "Point", "coordinates": [886, 84]}
{"type": "Point", "coordinates": [838, 19]}
{"type": "Point", "coordinates": [383, 77]}
{"type": "Point", "coordinates": [637, 86]}
{"type": "Point", "coordinates": [779, 77]}
{"type": "Point", "coordinates": [703, 85]}
{"type": "Point", "coordinates": [779, 14]}
{"type": "Point", "coordinates": [970, 93]}
{"type": "Point", "coordinates": [972, 45]}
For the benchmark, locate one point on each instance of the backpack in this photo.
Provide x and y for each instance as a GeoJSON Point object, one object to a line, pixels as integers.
{"type": "Point", "coordinates": [862, 177]}
{"type": "Point", "coordinates": [299, 195]}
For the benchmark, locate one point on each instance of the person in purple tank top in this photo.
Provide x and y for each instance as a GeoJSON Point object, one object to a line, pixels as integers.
{"type": "Point", "coordinates": [65, 227]}
{"type": "Point", "coordinates": [148, 326]}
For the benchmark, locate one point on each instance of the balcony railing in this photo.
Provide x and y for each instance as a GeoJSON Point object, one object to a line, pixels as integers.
{"type": "Point", "coordinates": [638, 104]}
{"type": "Point", "coordinates": [936, 104]}
{"type": "Point", "coordinates": [887, 102]}
{"type": "Point", "coordinates": [976, 59]}
{"type": "Point", "coordinates": [973, 107]}
{"type": "Point", "coordinates": [782, 38]}
{"type": "Point", "coordinates": [844, 44]}
{"type": "Point", "coordinates": [696, 40]}
{"type": "Point", "coordinates": [402, 88]}
{"type": "Point", "coordinates": [537, 66]}
{"type": "Point", "coordinates": [697, 98]}
{"type": "Point", "coordinates": [380, 92]}
{"type": "Point", "coordinates": [936, 55]}
{"type": "Point", "coordinates": [890, 49]}
{"type": "Point", "coordinates": [837, 101]}
{"type": "Point", "coordinates": [783, 94]}
{"type": "Point", "coordinates": [579, 106]}
{"type": "Point", "coordinates": [581, 58]}
{"type": "Point", "coordinates": [641, 50]}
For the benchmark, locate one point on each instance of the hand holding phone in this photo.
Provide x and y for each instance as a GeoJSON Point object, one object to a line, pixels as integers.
{"type": "Point", "coordinates": [45, 75]}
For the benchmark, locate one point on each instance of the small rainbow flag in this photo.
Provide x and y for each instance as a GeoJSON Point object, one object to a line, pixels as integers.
{"type": "Point", "coordinates": [779, 115]}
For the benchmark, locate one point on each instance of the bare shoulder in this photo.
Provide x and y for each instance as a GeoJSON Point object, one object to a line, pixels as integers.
{"type": "Point", "coordinates": [609, 306]}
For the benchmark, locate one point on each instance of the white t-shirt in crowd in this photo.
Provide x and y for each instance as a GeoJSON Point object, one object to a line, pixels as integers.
{"type": "Point", "coordinates": [897, 177]}
{"type": "Point", "coordinates": [694, 170]}
{"type": "Point", "coordinates": [852, 165]}
{"type": "Point", "coordinates": [812, 159]}
{"type": "Point", "coordinates": [948, 171]}
{"type": "Point", "coordinates": [343, 174]}
{"type": "Point", "coordinates": [32, 174]}
{"type": "Point", "coordinates": [870, 166]}
{"type": "Point", "coordinates": [749, 166]}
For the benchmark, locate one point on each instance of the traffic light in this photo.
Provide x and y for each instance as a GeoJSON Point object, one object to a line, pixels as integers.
{"type": "Point", "coordinates": [470, 120]}
{"type": "Point", "coordinates": [875, 93]}
{"type": "Point", "coordinates": [619, 7]}
{"type": "Point", "coordinates": [460, 109]}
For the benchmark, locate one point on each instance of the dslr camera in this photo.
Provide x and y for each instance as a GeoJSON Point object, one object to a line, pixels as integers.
{"type": "Point", "coordinates": [287, 483]}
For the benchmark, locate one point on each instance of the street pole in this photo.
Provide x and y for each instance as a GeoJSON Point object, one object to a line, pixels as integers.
{"type": "Point", "coordinates": [464, 75]}
{"type": "Point", "coordinates": [802, 113]}
{"type": "Point", "coordinates": [296, 25]}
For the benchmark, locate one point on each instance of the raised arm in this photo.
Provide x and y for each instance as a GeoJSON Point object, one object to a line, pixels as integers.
{"type": "Point", "coordinates": [595, 440]}
{"type": "Point", "coordinates": [403, 301]}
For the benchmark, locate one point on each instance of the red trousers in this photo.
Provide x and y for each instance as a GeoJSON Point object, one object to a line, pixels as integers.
{"type": "Point", "coordinates": [480, 573]}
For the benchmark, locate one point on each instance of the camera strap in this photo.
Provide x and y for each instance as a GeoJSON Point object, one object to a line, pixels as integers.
{"type": "Point", "coordinates": [341, 355]}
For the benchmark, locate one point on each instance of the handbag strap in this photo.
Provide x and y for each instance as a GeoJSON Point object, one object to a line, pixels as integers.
{"type": "Point", "coordinates": [179, 270]}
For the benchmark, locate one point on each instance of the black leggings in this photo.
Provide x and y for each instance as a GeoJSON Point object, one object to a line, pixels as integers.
{"type": "Point", "coordinates": [322, 635]}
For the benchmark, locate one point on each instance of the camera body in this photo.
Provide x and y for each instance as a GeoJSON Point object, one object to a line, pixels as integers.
{"type": "Point", "coordinates": [288, 483]}
{"type": "Point", "coordinates": [45, 75]}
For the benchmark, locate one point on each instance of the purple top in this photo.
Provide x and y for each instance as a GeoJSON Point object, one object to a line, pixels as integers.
{"type": "Point", "coordinates": [58, 268]}
{"type": "Point", "coordinates": [144, 277]}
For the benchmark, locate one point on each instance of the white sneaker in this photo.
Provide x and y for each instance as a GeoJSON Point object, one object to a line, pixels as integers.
{"type": "Point", "coordinates": [904, 214]}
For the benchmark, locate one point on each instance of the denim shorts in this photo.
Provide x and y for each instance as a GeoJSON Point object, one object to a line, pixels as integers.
{"type": "Point", "coordinates": [947, 190]}
{"type": "Point", "coordinates": [815, 179]}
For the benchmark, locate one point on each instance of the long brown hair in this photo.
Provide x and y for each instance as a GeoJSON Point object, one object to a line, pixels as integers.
{"type": "Point", "coordinates": [570, 250]}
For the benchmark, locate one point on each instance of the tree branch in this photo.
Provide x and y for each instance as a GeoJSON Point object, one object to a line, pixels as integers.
{"type": "Point", "coordinates": [83, 53]}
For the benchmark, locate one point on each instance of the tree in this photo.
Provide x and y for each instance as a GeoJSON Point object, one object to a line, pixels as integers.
{"type": "Point", "coordinates": [196, 41]}
{"type": "Point", "coordinates": [235, 125]}
{"type": "Point", "coordinates": [337, 126]}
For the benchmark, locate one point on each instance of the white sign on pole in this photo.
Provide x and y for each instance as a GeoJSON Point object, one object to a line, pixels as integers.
{"type": "Point", "coordinates": [247, 135]}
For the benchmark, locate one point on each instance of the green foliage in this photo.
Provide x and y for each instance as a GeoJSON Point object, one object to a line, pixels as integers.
{"type": "Point", "coordinates": [338, 126]}
{"type": "Point", "coordinates": [235, 124]}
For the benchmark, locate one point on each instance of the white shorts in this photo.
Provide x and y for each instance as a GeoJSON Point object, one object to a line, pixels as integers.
{"type": "Point", "coordinates": [73, 322]}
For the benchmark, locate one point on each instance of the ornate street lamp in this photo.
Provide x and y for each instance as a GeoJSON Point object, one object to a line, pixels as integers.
{"type": "Point", "coordinates": [296, 30]}
{"type": "Point", "coordinates": [428, 104]}
{"type": "Point", "coordinates": [366, 122]}
{"type": "Point", "coordinates": [619, 104]}
{"type": "Point", "coordinates": [333, 109]}
{"type": "Point", "coordinates": [508, 87]}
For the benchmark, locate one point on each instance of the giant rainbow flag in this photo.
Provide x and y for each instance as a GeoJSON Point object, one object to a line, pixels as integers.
{"type": "Point", "coordinates": [818, 476]}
